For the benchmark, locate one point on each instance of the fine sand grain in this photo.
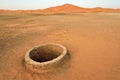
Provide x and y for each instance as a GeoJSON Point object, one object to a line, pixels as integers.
{"type": "Point", "coordinates": [93, 40]}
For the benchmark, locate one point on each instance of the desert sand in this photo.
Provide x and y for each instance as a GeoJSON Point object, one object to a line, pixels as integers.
{"type": "Point", "coordinates": [93, 40]}
{"type": "Point", "coordinates": [66, 8]}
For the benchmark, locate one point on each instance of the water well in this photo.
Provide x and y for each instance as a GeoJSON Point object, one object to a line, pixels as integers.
{"type": "Point", "coordinates": [46, 57]}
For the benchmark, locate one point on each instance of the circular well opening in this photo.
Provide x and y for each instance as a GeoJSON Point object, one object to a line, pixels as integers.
{"type": "Point", "coordinates": [45, 58]}
{"type": "Point", "coordinates": [45, 53]}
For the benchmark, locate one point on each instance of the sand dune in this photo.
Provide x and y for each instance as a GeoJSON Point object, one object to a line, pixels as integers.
{"type": "Point", "coordinates": [66, 8]}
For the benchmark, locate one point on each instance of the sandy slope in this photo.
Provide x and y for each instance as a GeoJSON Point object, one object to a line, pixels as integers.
{"type": "Point", "coordinates": [92, 39]}
{"type": "Point", "coordinates": [66, 8]}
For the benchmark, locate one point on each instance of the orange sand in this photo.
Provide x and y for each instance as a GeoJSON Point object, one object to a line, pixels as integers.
{"type": "Point", "coordinates": [66, 8]}
{"type": "Point", "coordinates": [92, 39]}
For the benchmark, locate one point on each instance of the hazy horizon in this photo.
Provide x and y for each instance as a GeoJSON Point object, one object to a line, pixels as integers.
{"type": "Point", "coordinates": [31, 4]}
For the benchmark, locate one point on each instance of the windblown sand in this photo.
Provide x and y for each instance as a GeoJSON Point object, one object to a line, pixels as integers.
{"type": "Point", "coordinates": [93, 40]}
